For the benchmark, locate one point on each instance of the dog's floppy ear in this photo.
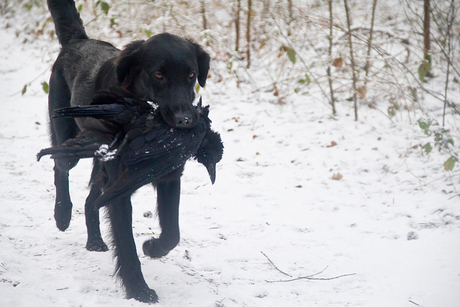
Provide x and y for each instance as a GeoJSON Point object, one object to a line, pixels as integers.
{"type": "Point", "coordinates": [203, 60]}
{"type": "Point", "coordinates": [127, 64]}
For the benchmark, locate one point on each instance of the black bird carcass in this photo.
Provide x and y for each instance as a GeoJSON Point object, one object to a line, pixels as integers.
{"type": "Point", "coordinates": [149, 148]}
{"type": "Point", "coordinates": [134, 146]}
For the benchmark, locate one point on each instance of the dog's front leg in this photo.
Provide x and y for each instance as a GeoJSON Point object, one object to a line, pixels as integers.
{"type": "Point", "coordinates": [63, 204]}
{"type": "Point", "coordinates": [168, 213]}
{"type": "Point", "coordinates": [128, 264]}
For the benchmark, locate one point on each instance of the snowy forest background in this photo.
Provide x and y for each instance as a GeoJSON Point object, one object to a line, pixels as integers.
{"type": "Point", "coordinates": [341, 126]}
{"type": "Point", "coordinates": [378, 53]}
{"type": "Point", "coordinates": [399, 57]}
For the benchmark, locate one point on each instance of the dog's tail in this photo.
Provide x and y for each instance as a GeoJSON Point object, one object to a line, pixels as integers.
{"type": "Point", "coordinates": [66, 20]}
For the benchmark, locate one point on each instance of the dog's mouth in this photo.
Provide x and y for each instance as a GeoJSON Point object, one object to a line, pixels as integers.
{"type": "Point", "coordinates": [182, 118]}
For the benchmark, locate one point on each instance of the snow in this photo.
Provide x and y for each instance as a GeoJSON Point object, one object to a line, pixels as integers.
{"type": "Point", "coordinates": [392, 222]}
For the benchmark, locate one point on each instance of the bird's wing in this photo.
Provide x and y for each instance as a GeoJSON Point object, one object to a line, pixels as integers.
{"type": "Point", "coordinates": [163, 143]}
{"type": "Point", "coordinates": [152, 156]}
{"type": "Point", "coordinates": [69, 152]}
{"type": "Point", "coordinates": [134, 178]}
{"type": "Point", "coordinates": [82, 146]}
{"type": "Point", "coordinates": [95, 111]}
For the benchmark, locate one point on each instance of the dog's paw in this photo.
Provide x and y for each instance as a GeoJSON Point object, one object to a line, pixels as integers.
{"type": "Point", "coordinates": [96, 245]}
{"type": "Point", "coordinates": [145, 296]}
{"type": "Point", "coordinates": [153, 248]}
{"type": "Point", "coordinates": [63, 214]}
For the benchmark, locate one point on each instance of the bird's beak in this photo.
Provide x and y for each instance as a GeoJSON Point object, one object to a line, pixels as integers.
{"type": "Point", "coordinates": [212, 172]}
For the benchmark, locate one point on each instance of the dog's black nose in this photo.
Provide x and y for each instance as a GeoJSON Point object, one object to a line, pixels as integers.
{"type": "Point", "coordinates": [184, 120]}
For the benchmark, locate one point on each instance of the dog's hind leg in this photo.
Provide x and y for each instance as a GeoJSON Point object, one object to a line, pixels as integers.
{"type": "Point", "coordinates": [61, 130]}
{"type": "Point", "coordinates": [95, 242]}
{"type": "Point", "coordinates": [168, 213]}
{"type": "Point", "coordinates": [128, 264]}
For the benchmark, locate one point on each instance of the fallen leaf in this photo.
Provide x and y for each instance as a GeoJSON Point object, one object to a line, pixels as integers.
{"type": "Point", "coordinates": [337, 176]}
{"type": "Point", "coordinates": [332, 144]}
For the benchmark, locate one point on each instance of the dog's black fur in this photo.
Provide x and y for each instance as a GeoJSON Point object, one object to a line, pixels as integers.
{"type": "Point", "coordinates": [163, 69]}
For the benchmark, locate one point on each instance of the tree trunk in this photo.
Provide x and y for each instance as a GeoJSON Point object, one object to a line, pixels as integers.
{"type": "Point", "coordinates": [369, 45]}
{"type": "Point", "coordinates": [350, 41]}
{"type": "Point", "coordinates": [237, 25]}
{"type": "Point", "coordinates": [329, 74]}
{"type": "Point", "coordinates": [426, 32]}
{"type": "Point", "coordinates": [203, 13]}
{"type": "Point", "coordinates": [450, 22]}
{"type": "Point", "coordinates": [248, 33]}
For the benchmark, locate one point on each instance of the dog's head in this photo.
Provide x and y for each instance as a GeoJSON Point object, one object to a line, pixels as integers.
{"type": "Point", "coordinates": [165, 69]}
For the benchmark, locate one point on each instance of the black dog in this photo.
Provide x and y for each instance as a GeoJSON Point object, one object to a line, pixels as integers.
{"type": "Point", "coordinates": [163, 69]}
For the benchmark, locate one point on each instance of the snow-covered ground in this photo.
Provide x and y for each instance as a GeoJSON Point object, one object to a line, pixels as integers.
{"type": "Point", "coordinates": [391, 225]}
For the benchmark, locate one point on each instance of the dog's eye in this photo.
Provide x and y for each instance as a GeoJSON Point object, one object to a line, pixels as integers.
{"type": "Point", "coordinates": [192, 75]}
{"type": "Point", "coordinates": [158, 76]}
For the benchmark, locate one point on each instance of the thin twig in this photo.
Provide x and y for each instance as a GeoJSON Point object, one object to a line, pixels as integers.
{"type": "Point", "coordinates": [271, 262]}
{"type": "Point", "coordinates": [291, 45]}
{"type": "Point", "coordinates": [309, 277]}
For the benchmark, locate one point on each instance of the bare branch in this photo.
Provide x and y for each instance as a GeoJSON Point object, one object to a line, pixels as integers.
{"type": "Point", "coordinates": [271, 262]}
{"type": "Point", "coordinates": [309, 277]}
